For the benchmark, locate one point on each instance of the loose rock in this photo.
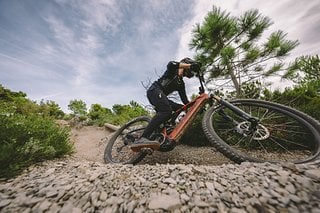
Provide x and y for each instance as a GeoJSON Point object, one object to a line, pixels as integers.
{"type": "Point", "coordinates": [74, 185]}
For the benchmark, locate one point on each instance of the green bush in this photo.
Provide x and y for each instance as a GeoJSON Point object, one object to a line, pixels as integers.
{"type": "Point", "coordinates": [124, 113]}
{"type": "Point", "coordinates": [26, 139]}
{"type": "Point", "coordinates": [119, 115]}
{"type": "Point", "coordinates": [99, 115]}
{"type": "Point", "coordinates": [304, 97]}
{"type": "Point", "coordinates": [18, 102]}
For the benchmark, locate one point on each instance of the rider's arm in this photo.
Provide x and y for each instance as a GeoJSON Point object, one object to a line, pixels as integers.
{"type": "Point", "coordinates": [183, 66]}
{"type": "Point", "coordinates": [173, 65]}
{"type": "Point", "coordinates": [183, 95]}
{"type": "Point", "coordinates": [182, 90]}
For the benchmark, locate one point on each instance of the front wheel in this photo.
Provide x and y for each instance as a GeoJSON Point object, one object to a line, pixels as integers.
{"type": "Point", "coordinates": [118, 148]}
{"type": "Point", "coordinates": [282, 134]}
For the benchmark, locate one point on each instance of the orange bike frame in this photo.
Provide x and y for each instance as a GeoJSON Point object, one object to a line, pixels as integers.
{"type": "Point", "coordinates": [192, 109]}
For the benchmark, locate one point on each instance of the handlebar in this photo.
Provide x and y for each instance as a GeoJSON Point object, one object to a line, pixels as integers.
{"type": "Point", "coordinates": [201, 79]}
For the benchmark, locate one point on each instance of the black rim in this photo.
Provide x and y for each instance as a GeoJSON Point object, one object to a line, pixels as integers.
{"type": "Point", "coordinates": [279, 136]}
{"type": "Point", "coordinates": [119, 151]}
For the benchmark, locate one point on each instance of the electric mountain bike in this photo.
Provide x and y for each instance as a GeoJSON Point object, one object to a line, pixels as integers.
{"type": "Point", "coordinates": [242, 130]}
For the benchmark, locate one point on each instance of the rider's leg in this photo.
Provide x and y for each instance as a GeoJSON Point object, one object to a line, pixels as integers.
{"type": "Point", "coordinates": [175, 106]}
{"type": "Point", "coordinates": [163, 109]}
{"type": "Point", "coordinates": [155, 122]}
{"type": "Point", "coordinates": [162, 106]}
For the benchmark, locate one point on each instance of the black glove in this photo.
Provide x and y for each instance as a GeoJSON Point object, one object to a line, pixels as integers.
{"type": "Point", "coordinates": [195, 67]}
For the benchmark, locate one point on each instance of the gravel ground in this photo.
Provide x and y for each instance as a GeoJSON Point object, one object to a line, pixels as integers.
{"type": "Point", "coordinates": [187, 179]}
{"type": "Point", "coordinates": [75, 185]}
{"type": "Point", "coordinates": [183, 154]}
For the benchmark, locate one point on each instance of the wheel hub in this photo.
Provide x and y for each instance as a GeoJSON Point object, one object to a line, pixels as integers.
{"type": "Point", "coordinates": [260, 133]}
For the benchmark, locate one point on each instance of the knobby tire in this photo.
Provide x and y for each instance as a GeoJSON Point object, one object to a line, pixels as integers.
{"type": "Point", "coordinates": [238, 155]}
{"type": "Point", "coordinates": [133, 157]}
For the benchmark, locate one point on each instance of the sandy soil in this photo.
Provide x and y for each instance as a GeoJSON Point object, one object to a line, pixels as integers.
{"type": "Point", "coordinates": [91, 141]}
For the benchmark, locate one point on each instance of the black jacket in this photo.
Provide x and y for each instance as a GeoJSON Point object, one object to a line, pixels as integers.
{"type": "Point", "coordinates": [170, 81]}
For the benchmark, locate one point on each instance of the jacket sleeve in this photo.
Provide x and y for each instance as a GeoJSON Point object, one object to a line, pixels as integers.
{"type": "Point", "coordinates": [173, 66]}
{"type": "Point", "coordinates": [183, 94]}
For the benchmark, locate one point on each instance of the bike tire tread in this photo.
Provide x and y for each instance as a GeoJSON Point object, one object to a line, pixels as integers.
{"type": "Point", "coordinates": [108, 149]}
{"type": "Point", "coordinates": [232, 153]}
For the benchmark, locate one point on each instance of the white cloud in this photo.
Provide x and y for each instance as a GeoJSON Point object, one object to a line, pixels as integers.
{"type": "Point", "coordinates": [100, 50]}
{"type": "Point", "coordinates": [298, 19]}
{"type": "Point", "coordinates": [104, 14]}
{"type": "Point", "coordinates": [77, 51]}
{"type": "Point", "coordinates": [63, 34]}
{"type": "Point", "coordinates": [200, 9]}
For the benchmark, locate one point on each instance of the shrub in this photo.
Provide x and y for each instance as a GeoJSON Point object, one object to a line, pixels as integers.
{"type": "Point", "coordinates": [125, 113]}
{"type": "Point", "coordinates": [78, 107]}
{"type": "Point", "coordinates": [119, 115]}
{"type": "Point", "coordinates": [304, 97]}
{"type": "Point", "coordinates": [26, 139]}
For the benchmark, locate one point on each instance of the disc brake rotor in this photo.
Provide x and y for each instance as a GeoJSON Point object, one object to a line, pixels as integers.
{"type": "Point", "coordinates": [261, 132]}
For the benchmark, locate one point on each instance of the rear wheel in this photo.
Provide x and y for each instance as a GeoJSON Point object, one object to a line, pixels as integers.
{"type": "Point", "coordinates": [282, 135]}
{"type": "Point", "coordinates": [118, 148]}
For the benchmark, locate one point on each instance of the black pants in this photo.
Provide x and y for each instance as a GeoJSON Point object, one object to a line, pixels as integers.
{"type": "Point", "coordinates": [163, 106]}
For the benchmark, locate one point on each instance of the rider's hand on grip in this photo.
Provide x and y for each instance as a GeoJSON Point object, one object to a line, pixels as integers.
{"type": "Point", "coordinates": [195, 67]}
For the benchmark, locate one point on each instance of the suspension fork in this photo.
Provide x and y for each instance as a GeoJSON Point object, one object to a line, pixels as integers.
{"type": "Point", "coordinates": [253, 120]}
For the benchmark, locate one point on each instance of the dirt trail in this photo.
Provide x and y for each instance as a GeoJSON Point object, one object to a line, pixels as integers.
{"type": "Point", "coordinates": [90, 143]}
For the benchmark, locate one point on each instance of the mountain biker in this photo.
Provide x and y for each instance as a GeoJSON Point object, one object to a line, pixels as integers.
{"type": "Point", "coordinates": [171, 80]}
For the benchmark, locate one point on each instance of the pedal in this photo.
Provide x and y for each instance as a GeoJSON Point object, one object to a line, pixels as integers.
{"type": "Point", "coordinates": [138, 148]}
{"type": "Point", "coordinates": [148, 151]}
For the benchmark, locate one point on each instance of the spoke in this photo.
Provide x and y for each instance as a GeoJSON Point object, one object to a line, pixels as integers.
{"type": "Point", "coordinates": [264, 115]}
{"type": "Point", "coordinates": [291, 142]}
{"type": "Point", "coordinates": [272, 116]}
{"type": "Point", "coordinates": [293, 131]}
{"type": "Point", "coordinates": [281, 136]}
{"type": "Point", "coordinates": [120, 151]}
{"type": "Point", "coordinates": [267, 114]}
{"type": "Point", "coordinates": [231, 137]}
{"type": "Point", "coordinates": [286, 123]}
{"type": "Point", "coordinates": [258, 112]}
{"type": "Point", "coordinates": [243, 138]}
{"type": "Point", "coordinates": [281, 146]}
{"type": "Point", "coordinates": [251, 138]}
{"type": "Point", "coordinates": [279, 126]}
{"type": "Point", "coordinates": [265, 150]}
{"type": "Point", "coordinates": [276, 127]}
{"type": "Point", "coordinates": [225, 130]}
{"type": "Point", "coordinates": [283, 123]}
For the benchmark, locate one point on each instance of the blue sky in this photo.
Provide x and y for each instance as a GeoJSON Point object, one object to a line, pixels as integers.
{"type": "Point", "coordinates": [100, 51]}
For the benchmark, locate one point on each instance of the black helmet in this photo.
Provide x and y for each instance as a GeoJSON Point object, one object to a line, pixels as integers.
{"type": "Point", "coordinates": [187, 61]}
{"type": "Point", "coordinates": [189, 73]}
